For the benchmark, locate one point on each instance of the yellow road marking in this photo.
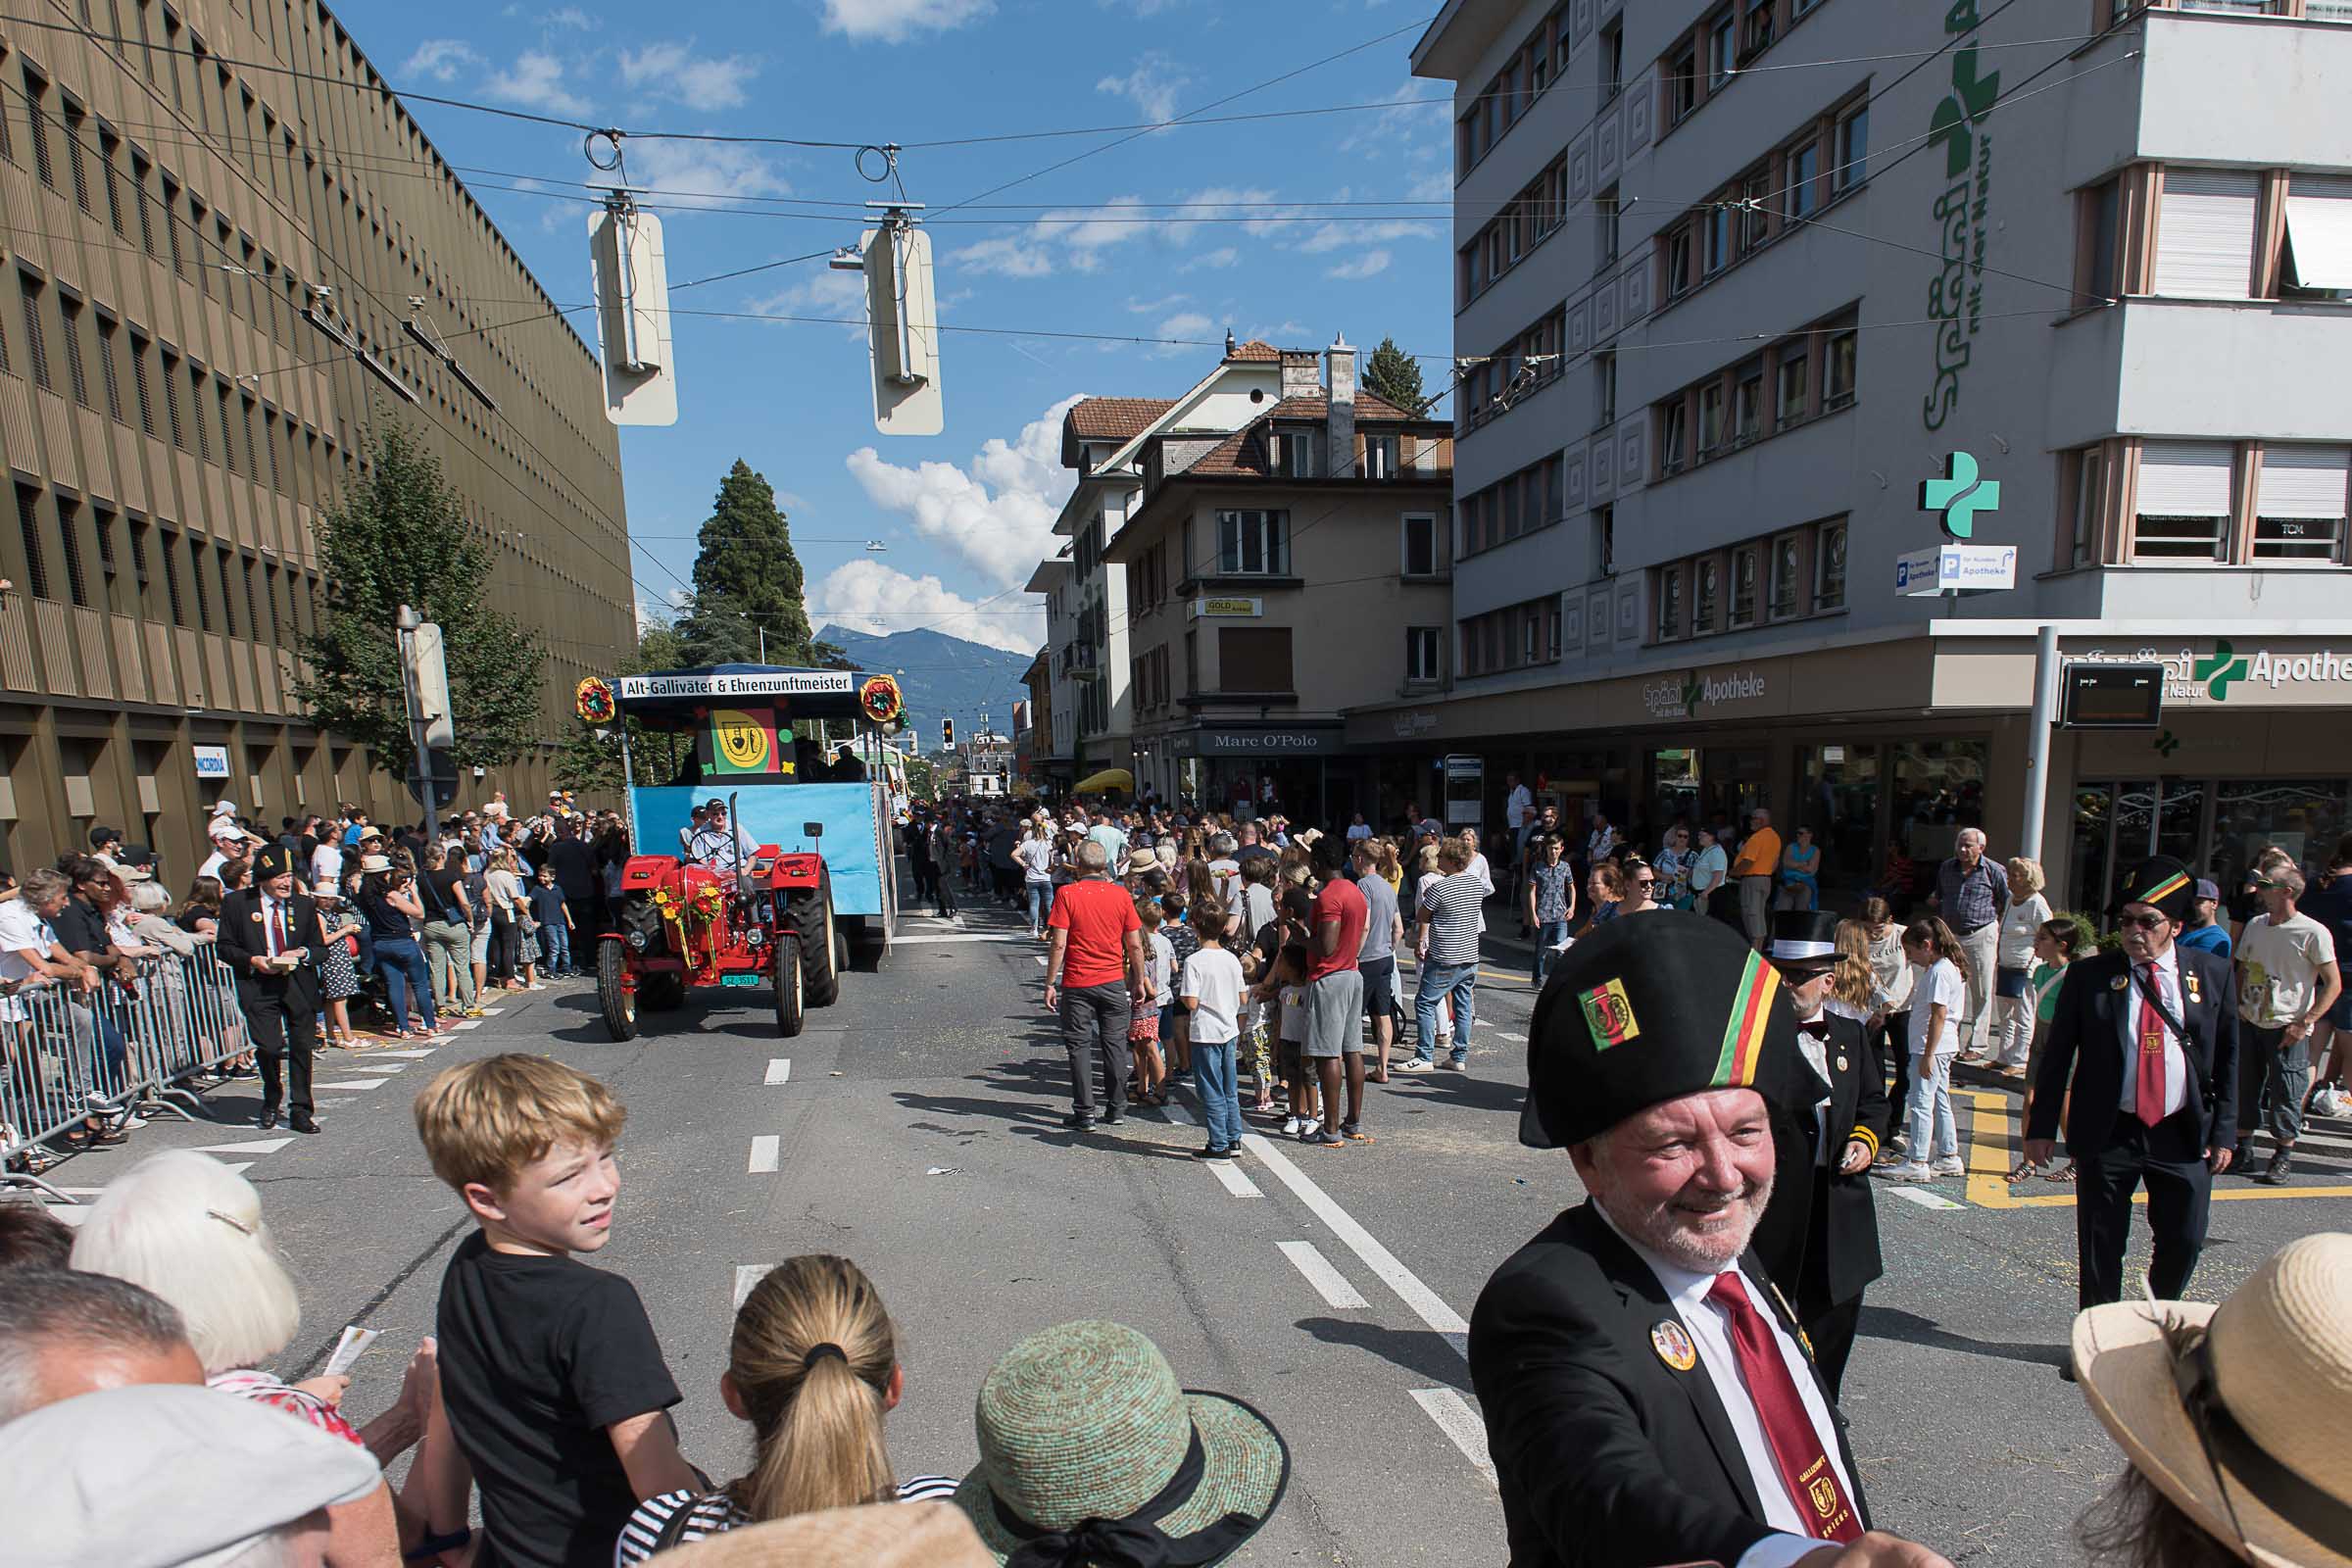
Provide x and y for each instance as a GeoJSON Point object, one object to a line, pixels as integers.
{"type": "Point", "coordinates": [1989, 1160]}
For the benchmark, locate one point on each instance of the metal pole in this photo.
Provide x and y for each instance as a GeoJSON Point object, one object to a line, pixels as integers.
{"type": "Point", "coordinates": [407, 623]}
{"type": "Point", "coordinates": [629, 783]}
{"type": "Point", "coordinates": [2037, 741]}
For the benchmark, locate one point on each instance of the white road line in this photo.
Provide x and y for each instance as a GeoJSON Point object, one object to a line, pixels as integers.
{"type": "Point", "coordinates": [1178, 1114]}
{"type": "Point", "coordinates": [358, 1083]}
{"type": "Point", "coordinates": [267, 1146]}
{"type": "Point", "coordinates": [748, 1275]}
{"type": "Point", "coordinates": [1426, 1303]}
{"type": "Point", "coordinates": [412, 1054]}
{"type": "Point", "coordinates": [241, 1167]}
{"type": "Point", "coordinates": [779, 1070]}
{"type": "Point", "coordinates": [490, 1012]}
{"type": "Point", "coordinates": [1924, 1198]}
{"type": "Point", "coordinates": [1517, 1040]}
{"type": "Point", "coordinates": [1229, 1176]}
{"type": "Point", "coordinates": [1016, 936]}
{"type": "Point", "coordinates": [1454, 1417]}
{"type": "Point", "coordinates": [1329, 1282]}
{"type": "Point", "coordinates": [766, 1150]}
{"type": "Point", "coordinates": [1041, 960]}
{"type": "Point", "coordinates": [471, 1023]}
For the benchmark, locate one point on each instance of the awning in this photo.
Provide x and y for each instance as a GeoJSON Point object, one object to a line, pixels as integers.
{"type": "Point", "coordinates": [1110, 778]}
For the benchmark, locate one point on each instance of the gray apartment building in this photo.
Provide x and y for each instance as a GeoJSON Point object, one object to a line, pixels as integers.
{"type": "Point", "coordinates": [218, 228]}
{"type": "Point", "coordinates": [1736, 279]}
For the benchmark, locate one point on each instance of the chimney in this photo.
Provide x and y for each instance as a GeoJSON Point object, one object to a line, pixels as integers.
{"type": "Point", "coordinates": [1299, 374]}
{"type": "Point", "coordinates": [1340, 365]}
{"type": "Point", "coordinates": [1229, 343]}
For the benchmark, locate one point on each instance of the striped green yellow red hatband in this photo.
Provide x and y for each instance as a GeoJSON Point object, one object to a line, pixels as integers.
{"type": "Point", "coordinates": [1744, 1028]}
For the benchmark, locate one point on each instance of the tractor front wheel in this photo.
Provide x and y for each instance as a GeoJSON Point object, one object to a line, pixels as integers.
{"type": "Point", "coordinates": [811, 910]}
{"type": "Point", "coordinates": [612, 991]}
{"type": "Point", "coordinates": [792, 1000]}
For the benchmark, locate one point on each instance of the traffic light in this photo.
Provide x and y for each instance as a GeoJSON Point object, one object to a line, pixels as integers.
{"type": "Point", "coordinates": [947, 734]}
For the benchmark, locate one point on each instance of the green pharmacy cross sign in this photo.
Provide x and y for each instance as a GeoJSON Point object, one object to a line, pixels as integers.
{"type": "Point", "coordinates": [1960, 495]}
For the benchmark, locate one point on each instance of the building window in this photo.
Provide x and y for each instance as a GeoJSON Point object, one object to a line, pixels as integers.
{"type": "Point", "coordinates": [1723, 56]}
{"type": "Point", "coordinates": [1682, 84]}
{"type": "Point", "coordinates": [2205, 233]}
{"type": "Point", "coordinates": [1710, 420]}
{"type": "Point", "coordinates": [107, 334]}
{"type": "Point", "coordinates": [1829, 567]}
{"type": "Point", "coordinates": [1837, 382]}
{"type": "Point", "coordinates": [36, 349]}
{"type": "Point", "coordinates": [1748, 406]}
{"type": "Point", "coordinates": [1719, 239]}
{"type": "Point", "coordinates": [1605, 389]}
{"type": "Point", "coordinates": [1671, 435]}
{"type": "Point", "coordinates": [1424, 652]}
{"type": "Point", "coordinates": [1785, 559]}
{"type": "Point", "coordinates": [1380, 456]}
{"type": "Point", "coordinates": [1804, 166]}
{"type": "Point", "coordinates": [1612, 60]}
{"type": "Point", "coordinates": [2183, 501]}
{"type": "Point", "coordinates": [2299, 504]}
{"type": "Point", "coordinates": [1755, 210]}
{"type": "Point", "coordinates": [1759, 27]}
{"type": "Point", "coordinates": [1254, 658]}
{"type": "Point", "coordinates": [1678, 262]}
{"type": "Point", "coordinates": [1706, 582]}
{"type": "Point", "coordinates": [1744, 564]}
{"type": "Point", "coordinates": [1420, 545]}
{"type": "Point", "coordinates": [2096, 271]}
{"type": "Point", "coordinates": [2319, 232]}
{"type": "Point", "coordinates": [2088, 494]}
{"type": "Point", "coordinates": [1791, 401]}
{"type": "Point", "coordinates": [1853, 148]}
{"type": "Point", "coordinates": [28, 529]}
{"type": "Point", "coordinates": [1604, 540]}
{"type": "Point", "coordinates": [36, 126]}
{"type": "Point", "coordinates": [1611, 224]}
{"type": "Point", "coordinates": [1296, 457]}
{"type": "Point", "coordinates": [69, 321]}
{"type": "Point", "coordinates": [1670, 604]}
{"type": "Point", "coordinates": [1254, 543]}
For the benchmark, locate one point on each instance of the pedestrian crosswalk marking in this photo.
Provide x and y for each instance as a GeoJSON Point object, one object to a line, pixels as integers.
{"type": "Point", "coordinates": [266, 1145]}
{"type": "Point", "coordinates": [768, 1152]}
{"type": "Point", "coordinates": [1924, 1197]}
{"type": "Point", "coordinates": [1454, 1417]}
{"type": "Point", "coordinates": [358, 1083]}
{"type": "Point", "coordinates": [424, 1051]}
{"type": "Point", "coordinates": [1329, 1283]}
{"type": "Point", "coordinates": [747, 1275]}
{"type": "Point", "coordinates": [1229, 1176]}
{"type": "Point", "coordinates": [779, 1070]}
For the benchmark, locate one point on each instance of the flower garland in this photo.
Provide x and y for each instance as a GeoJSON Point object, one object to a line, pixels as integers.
{"type": "Point", "coordinates": [593, 701]}
{"type": "Point", "coordinates": [881, 700]}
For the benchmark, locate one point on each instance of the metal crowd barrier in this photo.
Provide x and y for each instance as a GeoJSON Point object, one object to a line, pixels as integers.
{"type": "Point", "coordinates": [71, 1058]}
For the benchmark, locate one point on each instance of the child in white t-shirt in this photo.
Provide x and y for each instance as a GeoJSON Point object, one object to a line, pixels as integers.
{"type": "Point", "coordinates": [1211, 990]}
{"type": "Point", "coordinates": [1939, 995]}
{"type": "Point", "coordinates": [1143, 1033]}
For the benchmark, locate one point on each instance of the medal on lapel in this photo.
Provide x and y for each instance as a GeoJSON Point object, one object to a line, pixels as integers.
{"type": "Point", "coordinates": [2188, 982]}
{"type": "Point", "coordinates": [2119, 983]}
{"type": "Point", "coordinates": [1842, 1065]}
{"type": "Point", "coordinates": [1673, 1344]}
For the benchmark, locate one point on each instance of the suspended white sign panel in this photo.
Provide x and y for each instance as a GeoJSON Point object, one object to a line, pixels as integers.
{"type": "Point", "coordinates": [632, 316]}
{"type": "Point", "coordinates": [902, 312]}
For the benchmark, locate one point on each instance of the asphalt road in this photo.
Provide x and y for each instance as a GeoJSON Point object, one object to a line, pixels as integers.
{"type": "Point", "coordinates": [917, 1129]}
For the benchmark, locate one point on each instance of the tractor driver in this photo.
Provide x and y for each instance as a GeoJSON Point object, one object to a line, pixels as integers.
{"type": "Point", "coordinates": [718, 843]}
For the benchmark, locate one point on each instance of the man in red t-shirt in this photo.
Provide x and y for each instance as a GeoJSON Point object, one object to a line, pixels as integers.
{"type": "Point", "coordinates": [1335, 1003]}
{"type": "Point", "coordinates": [1093, 974]}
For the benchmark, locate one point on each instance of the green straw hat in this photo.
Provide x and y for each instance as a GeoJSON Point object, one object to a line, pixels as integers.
{"type": "Point", "coordinates": [1090, 1453]}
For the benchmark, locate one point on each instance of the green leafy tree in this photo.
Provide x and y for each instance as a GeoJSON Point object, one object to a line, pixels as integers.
{"type": "Point", "coordinates": [747, 581]}
{"type": "Point", "coordinates": [589, 758]}
{"type": "Point", "coordinates": [1395, 374]}
{"type": "Point", "coordinates": [397, 537]}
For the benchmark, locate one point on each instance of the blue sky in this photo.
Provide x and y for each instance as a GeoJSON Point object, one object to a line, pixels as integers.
{"type": "Point", "coordinates": [1291, 229]}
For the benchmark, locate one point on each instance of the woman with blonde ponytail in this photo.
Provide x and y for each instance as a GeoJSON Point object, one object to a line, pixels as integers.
{"type": "Point", "coordinates": [813, 1367]}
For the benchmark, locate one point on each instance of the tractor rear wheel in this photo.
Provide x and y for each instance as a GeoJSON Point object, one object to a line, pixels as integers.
{"type": "Point", "coordinates": [612, 991]}
{"type": "Point", "coordinates": [792, 997]}
{"type": "Point", "coordinates": [811, 910]}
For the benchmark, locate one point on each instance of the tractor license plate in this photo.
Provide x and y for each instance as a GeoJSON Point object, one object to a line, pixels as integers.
{"type": "Point", "coordinates": [739, 979]}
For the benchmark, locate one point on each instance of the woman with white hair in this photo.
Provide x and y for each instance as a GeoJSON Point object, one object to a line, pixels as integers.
{"type": "Point", "coordinates": [189, 1229]}
{"type": "Point", "coordinates": [2013, 996]}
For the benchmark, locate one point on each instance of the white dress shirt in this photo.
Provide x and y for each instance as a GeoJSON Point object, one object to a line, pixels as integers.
{"type": "Point", "coordinates": [1711, 1333]}
{"type": "Point", "coordinates": [2176, 1059]}
{"type": "Point", "coordinates": [271, 915]}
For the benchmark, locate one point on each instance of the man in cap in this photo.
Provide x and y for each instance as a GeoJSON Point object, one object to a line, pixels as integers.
{"type": "Point", "coordinates": [719, 844]}
{"type": "Point", "coordinates": [268, 932]}
{"type": "Point", "coordinates": [2148, 1037]}
{"type": "Point", "coordinates": [1648, 1397]}
{"type": "Point", "coordinates": [229, 844]}
{"type": "Point", "coordinates": [1820, 1238]}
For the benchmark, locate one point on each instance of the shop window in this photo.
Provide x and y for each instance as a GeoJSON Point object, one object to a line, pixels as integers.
{"type": "Point", "coordinates": [2299, 504]}
{"type": "Point", "coordinates": [2304, 818]}
{"type": "Point", "coordinates": [2088, 854]}
{"type": "Point", "coordinates": [2205, 233]}
{"type": "Point", "coordinates": [2183, 501]}
{"type": "Point", "coordinates": [1829, 562]}
{"type": "Point", "coordinates": [1840, 804]}
{"type": "Point", "coordinates": [1746, 562]}
{"type": "Point", "coordinates": [1939, 790]}
{"type": "Point", "coordinates": [1254, 658]}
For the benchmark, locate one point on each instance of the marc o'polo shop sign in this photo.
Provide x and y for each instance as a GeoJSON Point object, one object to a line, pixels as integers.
{"type": "Point", "coordinates": [1287, 741]}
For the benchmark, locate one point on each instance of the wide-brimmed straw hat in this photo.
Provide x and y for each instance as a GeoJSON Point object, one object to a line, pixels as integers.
{"type": "Point", "coordinates": [1141, 860]}
{"type": "Point", "coordinates": [2237, 1414]}
{"type": "Point", "coordinates": [879, 1535]}
{"type": "Point", "coordinates": [1084, 1430]}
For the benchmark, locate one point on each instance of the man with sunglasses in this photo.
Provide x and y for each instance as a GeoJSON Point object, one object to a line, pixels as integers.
{"type": "Point", "coordinates": [2149, 1038]}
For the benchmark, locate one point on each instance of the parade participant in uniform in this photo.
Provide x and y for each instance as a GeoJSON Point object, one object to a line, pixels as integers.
{"type": "Point", "coordinates": [261, 928]}
{"type": "Point", "coordinates": [1837, 1255]}
{"type": "Point", "coordinates": [1647, 1396]}
{"type": "Point", "coordinates": [2148, 1037]}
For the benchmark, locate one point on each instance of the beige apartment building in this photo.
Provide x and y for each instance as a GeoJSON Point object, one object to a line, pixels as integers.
{"type": "Point", "coordinates": [228, 254]}
{"type": "Point", "coordinates": [1277, 577]}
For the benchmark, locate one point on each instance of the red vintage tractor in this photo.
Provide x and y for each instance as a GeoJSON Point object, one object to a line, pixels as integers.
{"type": "Point", "coordinates": [683, 924]}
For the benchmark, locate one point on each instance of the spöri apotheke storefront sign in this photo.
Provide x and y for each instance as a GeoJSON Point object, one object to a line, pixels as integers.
{"type": "Point", "coordinates": [2220, 672]}
{"type": "Point", "coordinates": [1684, 697]}
{"type": "Point", "coordinates": [1956, 290]}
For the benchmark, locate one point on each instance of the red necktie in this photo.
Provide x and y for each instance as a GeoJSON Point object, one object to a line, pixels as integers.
{"type": "Point", "coordinates": [1796, 1448]}
{"type": "Point", "coordinates": [2147, 1073]}
{"type": "Point", "coordinates": [277, 917]}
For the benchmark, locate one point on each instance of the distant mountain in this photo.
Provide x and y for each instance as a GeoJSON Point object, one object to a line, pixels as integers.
{"type": "Point", "coordinates": [940, 677]}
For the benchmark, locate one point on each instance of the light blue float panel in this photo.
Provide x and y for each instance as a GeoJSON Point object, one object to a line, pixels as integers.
{"type": "Point", "coordinates": [776, 814]}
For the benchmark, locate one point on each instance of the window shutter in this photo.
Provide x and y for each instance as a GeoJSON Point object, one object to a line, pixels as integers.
{"type": "Point", "coordinates": [2319, 230]}
{"type": "Point", "coordinates": [2185, 478]}
{"type": "Point", "coordinates": [2303, 482]}
{"type": "Point", "coordinates": [2205, 233]}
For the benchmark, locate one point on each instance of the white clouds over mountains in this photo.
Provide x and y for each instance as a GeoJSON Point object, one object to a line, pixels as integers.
{"type": "Point", "coordinates": [868, 595]}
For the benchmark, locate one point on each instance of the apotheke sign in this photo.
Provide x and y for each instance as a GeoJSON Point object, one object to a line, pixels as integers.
{"type": "Point", "coordinates": [2194, 677]}
{"type": "Point", "coordinates": [1684, 698]}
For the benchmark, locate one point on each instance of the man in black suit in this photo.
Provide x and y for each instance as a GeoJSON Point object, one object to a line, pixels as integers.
{"type": "Point", "coordinates": [1820, 1235]}
{"type": "Point", "coordinates": [1647, 1394]}
{"type": "Point", "coordinates": [261, 926]}
{"type": "Point", "coordinates": [2149, 1037]}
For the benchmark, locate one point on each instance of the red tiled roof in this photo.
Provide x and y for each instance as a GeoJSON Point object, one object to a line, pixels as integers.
{"type": "Point", "coordinates": [1255, 352]}
{"type": "Point", "coordinates": [1116, 419]}
{"type": "Point", "coordinates": [1315, 405]}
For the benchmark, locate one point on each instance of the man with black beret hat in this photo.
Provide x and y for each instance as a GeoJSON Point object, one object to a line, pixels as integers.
{"type": "Point", "coordinates": [269, 935]}
{"type": "Point", "coordinates": [2149, 1038]}
{"type": "Point", "coordinates": [1648, 1396]}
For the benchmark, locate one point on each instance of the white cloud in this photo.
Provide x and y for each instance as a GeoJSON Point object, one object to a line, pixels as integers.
{"type": "Point", "coordinates": [1222, 257]}
{"type": "Point", "coordinates": [536, 81]}
{"type": "Point", "coordinates": [997, 512]}
{"type": "Point", "coordinates": [572, 16]}
{"type": "Point", "coordinates": [1356, 231]}
{"type": "Point", "coordinates": [675, 71]}
{"type": "Point", "coordinates": [1183, 324]}
{"type": "Point", "coordinates": [896, 20]}
{"type": "Point", "coordinates": [1072, 238]}
{"type": "Point", "coordinates": [1006, 256]}
{"type": "Point", "coordinates": [1154, 306]}
{"type": "Point", "coordinates": [1151, 86]}
{"type": "Point", "coordinates": [441, 59]}
{"type": "Point", "coordinates": [691, 173]}
{"type": "Point", "coordinates": [833, 296]}
{"type": "Point", "coordinates": [1370, 264]}
{"type": "Point", "coordinates": [868, 595]}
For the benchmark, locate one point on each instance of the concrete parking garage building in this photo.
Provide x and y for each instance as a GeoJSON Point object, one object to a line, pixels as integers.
{"type": "Point", "coordinates": [1737, 279]}
{"type": "Point", "coordinates": [201, 250]}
